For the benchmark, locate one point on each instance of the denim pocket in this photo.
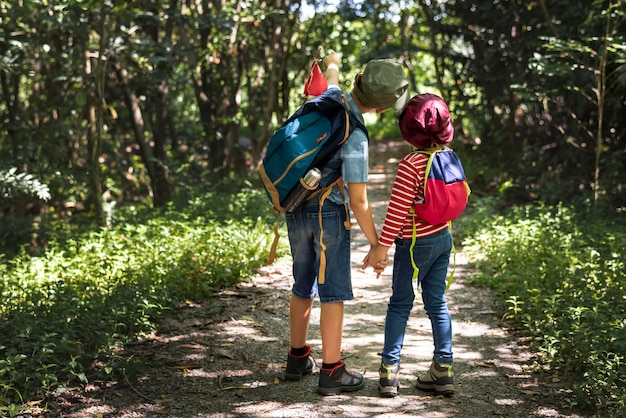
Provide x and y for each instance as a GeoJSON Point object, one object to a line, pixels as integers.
{"type": "Point", "coordinates": [332, 223]}
{"type": "Point", "coordinates": [423, 254]}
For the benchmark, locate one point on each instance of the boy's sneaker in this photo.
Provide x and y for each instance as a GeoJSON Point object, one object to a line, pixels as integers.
{"type": "Point", "coordinates": [438, 378]}
{"type": "Point", "coordinates": [299, 365]}
{"type": "Point", "coordinates": [338, 379]}
{"type": "Point", "coordinates": [388, 381]}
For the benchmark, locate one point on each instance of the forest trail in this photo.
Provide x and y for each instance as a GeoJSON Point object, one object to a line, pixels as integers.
{"type": "Point", "coordinates": [225, 357]}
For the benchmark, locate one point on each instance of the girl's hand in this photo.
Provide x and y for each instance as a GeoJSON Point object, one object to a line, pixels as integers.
{"type": "Point", "coordinates": [377, 259]}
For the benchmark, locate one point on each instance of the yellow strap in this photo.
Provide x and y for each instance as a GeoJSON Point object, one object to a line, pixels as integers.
{"type": "Point", "coordinates": [272, 255]}
{"type": "Point", "coordinates": [271, 188]}
{"type": "Point", "coordinates": [430, 152]}
{"type": "Point", "coordinates": [321, 275]}
{"type": "Point", "coordinates": [416, 269]}
{"type": "Point", "coordinates": [453, 258]}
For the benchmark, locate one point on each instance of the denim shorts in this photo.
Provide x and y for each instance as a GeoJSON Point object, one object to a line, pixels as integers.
{"type": "Point", "coordinates": [304, 238]}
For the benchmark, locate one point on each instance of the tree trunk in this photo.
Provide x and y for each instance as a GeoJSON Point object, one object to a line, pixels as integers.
{"type": "Point", "coordinates": [95, 98]}
{"type": "Point", "coordinates": [155, 168]}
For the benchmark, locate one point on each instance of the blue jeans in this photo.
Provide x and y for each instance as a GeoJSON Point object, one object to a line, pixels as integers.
{"type": "Point", "coordinates": [432, 256]}
{"type": "Point", "coordinates": [304, 239]}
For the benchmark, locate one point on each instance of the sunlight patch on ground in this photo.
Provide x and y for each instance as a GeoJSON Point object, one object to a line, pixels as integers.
{"type": "Point", "coordinates": [508, 402]}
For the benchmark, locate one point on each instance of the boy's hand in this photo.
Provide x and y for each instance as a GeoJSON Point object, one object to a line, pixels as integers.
{"type": "Point", "coordinates": [330, 59]}
{"type": "Point", "coordinates": [377, 259]}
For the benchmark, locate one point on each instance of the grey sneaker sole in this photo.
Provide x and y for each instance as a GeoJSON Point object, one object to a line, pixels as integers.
{"type": "Point", "coordinates": [446, 390]}
{"type": "Point", "coordinates": [294, 377]}
{"type": "Point", "coordinates": [388, 391]}
{"type": "Point", "coordinates": [337, 390]}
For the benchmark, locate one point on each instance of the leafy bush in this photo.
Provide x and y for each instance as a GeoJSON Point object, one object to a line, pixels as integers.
{"type": "Point", "coordinates": [17, 191]}
{"type": "Point", "coordinates": [14, 184]}
{"type": "Point", "coordinates": [560, 275]}
{"type": "Point", "coordinates": [66, 311]}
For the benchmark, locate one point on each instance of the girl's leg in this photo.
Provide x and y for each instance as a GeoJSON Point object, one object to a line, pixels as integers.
{"type": "Point", "coordinates": [400, 305]}
{"type": "Point", "coordinates": [434, 296]}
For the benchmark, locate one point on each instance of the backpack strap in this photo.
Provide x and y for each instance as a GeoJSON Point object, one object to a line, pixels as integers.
{"type": "Point", "coordinates": [325, 192]}
{"type": "Point", "coordinates": [274, 247]}
{"type": "Point", "coordinates": [321, 275]}
{"type": "Point", "coordinates": [416, 269]}
{"type": "Point", "coordinates": [451, 276]}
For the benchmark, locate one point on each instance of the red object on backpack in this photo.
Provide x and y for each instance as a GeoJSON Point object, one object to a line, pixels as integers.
{"type": "Point", "coordinates": [315, 83]}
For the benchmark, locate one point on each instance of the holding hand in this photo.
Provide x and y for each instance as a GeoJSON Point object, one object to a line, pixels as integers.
{"type": "Point", "coordinates": [377, 259]}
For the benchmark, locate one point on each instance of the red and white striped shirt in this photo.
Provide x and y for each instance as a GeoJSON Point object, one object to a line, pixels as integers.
{"type": "Point", "coordinates": [408, 187]}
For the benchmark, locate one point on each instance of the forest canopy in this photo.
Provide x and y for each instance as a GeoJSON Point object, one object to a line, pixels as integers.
{"type": "Point", "coordinates": [111, 102]}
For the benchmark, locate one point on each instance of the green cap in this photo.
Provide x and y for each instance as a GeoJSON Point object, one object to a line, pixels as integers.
{"type": "Point", "coordinates": [382, 85]}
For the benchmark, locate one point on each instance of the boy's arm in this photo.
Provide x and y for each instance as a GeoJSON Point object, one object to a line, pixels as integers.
{"type": "Point", "coordinates": [331, 64]}
{"type": "Point", "coordinates": [362, 210]}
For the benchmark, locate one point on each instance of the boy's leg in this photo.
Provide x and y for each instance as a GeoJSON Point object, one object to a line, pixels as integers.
{"type": "Point", "coordinates": [331, 328]}
{"type": "Point", "coordinates": [334, 377]}
{"type": "Point", "coordinates": [299, 359]}
{"type": "Point", "coordinates": [299, 316]}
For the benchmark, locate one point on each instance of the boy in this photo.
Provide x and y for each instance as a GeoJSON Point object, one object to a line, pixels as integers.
{"type": "Point", "coordinates": [382, 85]}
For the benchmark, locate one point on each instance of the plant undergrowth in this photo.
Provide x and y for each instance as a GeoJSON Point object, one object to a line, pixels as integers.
{"type": "Point", "coordinates": [67, 312]}
{"type": "Point", "coordinates": [560, 275]}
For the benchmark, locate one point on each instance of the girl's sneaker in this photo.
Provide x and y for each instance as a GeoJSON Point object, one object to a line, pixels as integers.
{"type": "Point", "coordinates": [388, 381]}
{"type": "Point", "coordinates": [438, 378]}
{"type": "Point", "coordinates": [338, 379]}
{"type": "Point", "coordinates": [297, 366]}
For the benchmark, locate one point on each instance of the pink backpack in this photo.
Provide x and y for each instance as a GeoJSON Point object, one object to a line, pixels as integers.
{"type": "Point", "coordinates": [445, 187]}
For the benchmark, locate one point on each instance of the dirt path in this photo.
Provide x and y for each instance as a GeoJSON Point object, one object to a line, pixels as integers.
{"type": "Point", "coordinates": [225, 357]}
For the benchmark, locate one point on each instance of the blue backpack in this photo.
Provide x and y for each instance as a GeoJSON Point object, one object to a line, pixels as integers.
{"type": "Point", "coordinates": [308, 139]}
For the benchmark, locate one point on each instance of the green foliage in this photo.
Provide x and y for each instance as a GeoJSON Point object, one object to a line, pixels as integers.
{"type": "Point", "coordinates": [539, 91]}
{"type": "Point", "coordinates": [560, 275]}
{"type": "Point", "coordinates": [385, 127]}
{"type": "Point", "coordinates": [66, 313]}
{"type": "Point", "coordinates": [14, 184]}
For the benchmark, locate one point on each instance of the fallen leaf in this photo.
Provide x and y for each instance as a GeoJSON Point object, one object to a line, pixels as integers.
{"type": "Point", "coordinates": [224, 353]}
{"type": "Point", "coordinates": [530, 392]}
{"type": "Point", "coordinates": [192, 346]}
{"type": "Point", "coordinates": [484, 364]}
{"type": "Point", "coordinates": [189, 366]}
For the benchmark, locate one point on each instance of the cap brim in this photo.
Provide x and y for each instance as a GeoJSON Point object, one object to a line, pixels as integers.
{"type": "Point", "coordinates": [401, 104]}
